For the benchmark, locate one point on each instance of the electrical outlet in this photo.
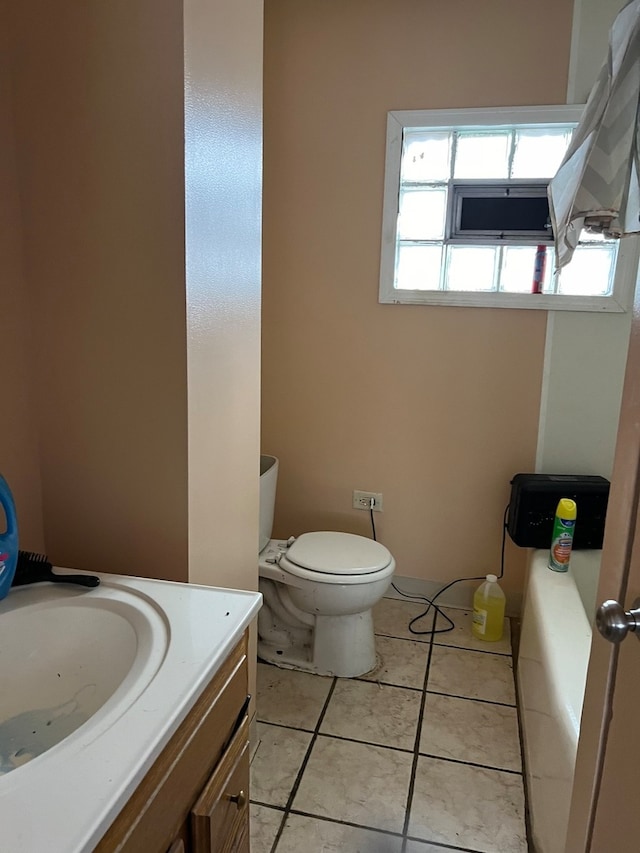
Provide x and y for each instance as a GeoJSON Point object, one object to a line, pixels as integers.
{"type": "Point", "coordinates": [362, 500]}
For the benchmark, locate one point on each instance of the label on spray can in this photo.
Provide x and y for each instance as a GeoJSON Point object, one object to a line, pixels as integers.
{"type": "Point", "coordinates": [562, 537]}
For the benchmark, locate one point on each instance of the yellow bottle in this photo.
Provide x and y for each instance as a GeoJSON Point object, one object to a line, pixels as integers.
{"type": "Point", "coordinates": [488, 611]}
{"type": "Point", "coordinates": [562, 537]}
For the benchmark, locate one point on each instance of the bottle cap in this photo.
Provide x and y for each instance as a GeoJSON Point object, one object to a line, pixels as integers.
{"type": "Point", "coordinates": [492, 578]}
{"type": "Point", "coordinates": [566, 509]}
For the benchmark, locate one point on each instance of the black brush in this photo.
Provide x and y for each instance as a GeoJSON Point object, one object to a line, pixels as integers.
{"type": "Point", "coordinates": [35, 568]}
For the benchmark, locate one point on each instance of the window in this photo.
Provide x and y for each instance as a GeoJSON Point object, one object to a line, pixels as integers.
{"type": "Point", "coordinates": [466, 216]}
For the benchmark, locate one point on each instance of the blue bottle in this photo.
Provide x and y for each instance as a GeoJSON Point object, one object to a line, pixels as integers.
{"type": "Point", "coordinates": [8, 539]}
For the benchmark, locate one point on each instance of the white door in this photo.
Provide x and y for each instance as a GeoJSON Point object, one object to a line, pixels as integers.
{"type": "Point", "coordinates": [605, 814]}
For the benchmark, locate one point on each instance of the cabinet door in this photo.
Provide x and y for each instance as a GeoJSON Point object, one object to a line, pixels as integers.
{"type": "Point", "coordinates": [220, 817]}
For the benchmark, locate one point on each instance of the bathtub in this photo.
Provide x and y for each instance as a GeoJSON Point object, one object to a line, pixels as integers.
{"type": "Point", "coordinates": [555, 644]}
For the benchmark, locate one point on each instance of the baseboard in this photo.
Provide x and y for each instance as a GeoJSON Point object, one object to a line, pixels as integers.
{"type": "Point", "coordinates": [460, 595]}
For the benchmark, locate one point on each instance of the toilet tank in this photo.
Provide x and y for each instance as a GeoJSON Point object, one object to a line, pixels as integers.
{"type": "Point", "coordinates": [268, 482]}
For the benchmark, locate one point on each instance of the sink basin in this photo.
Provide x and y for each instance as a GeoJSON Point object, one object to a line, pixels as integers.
{"type": "Point", "coordinates": [73, 659]}
{"type": "Point", "coordinates": [94, 684]}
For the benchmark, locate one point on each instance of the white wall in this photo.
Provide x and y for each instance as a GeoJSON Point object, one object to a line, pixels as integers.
{"type": "Point", "coordinates": [585, 352]}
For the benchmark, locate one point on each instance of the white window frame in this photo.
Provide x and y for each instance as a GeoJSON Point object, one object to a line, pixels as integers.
{"type": "Point", "coordinates": [397, 120]}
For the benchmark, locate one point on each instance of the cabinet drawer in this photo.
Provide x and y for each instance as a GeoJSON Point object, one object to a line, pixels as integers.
{"type": "Point", "coordinates": [162, 803]}
{"type": "Point", "coordinates": [220, 817]}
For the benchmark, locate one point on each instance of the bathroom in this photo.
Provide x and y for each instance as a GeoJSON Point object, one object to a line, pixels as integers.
{"type": "Point", "coordinates": [355, 394]}
{"type": "Point", "coordinates": [386, 397]}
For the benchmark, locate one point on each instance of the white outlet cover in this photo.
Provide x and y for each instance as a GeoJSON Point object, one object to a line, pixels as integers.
{"type": "Point", "coordinates": [361, 500]}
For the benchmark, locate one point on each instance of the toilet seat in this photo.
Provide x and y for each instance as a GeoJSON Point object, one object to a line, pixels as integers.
{"type": "Point", "coordinates": [331, 557]}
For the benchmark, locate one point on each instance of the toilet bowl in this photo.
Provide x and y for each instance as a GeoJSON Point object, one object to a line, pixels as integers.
{"type": "Point", "coordinates": [319, 590]}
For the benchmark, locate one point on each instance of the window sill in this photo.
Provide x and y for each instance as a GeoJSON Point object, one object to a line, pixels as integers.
{"type": "Point", "coordinates": [541, 302]}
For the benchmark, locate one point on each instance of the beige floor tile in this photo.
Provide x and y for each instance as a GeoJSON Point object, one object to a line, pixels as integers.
{"type": "Point", "coordinates": [321, 836]}
{"type": "Point", "coordinates": [462, 637]}
{"type": "Point", "coordinates": [290, 698]}
{"type": "Point", "coordinates": [477, 675]}
{"type": "Point", "coordinates": [356, 782]}
{"type": "Point", "coordinates": [468, 807]}
{"type": "Point", "coordinates": [276, 763]}
{"type": "Point", "coordinates": [467, 730]}
{"type": "Point", "coordinates": [424, 847]}
{"type": "Point", "coordinates": [376, 713]}
{"type": "Point", "coordinates": [391, 618]}
{"type": "Point", "coordinates": [264, 823]}
{"type": "Point", "coordinates": [402, 662]}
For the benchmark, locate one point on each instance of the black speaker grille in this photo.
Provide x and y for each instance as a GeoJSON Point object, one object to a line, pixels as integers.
{"type": "Point", "coordinates": [533, 503]}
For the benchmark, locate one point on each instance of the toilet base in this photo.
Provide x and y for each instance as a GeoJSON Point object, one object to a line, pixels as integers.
{"type": "Point", "coordinates": [336, 645]}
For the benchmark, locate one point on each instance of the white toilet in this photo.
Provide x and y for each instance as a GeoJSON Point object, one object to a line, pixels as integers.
{"type": "Point", "coordinates": [318, 590]}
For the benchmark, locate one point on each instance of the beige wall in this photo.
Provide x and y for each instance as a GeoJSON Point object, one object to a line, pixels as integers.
{"type": "Point", "coordinates": [434, 407]}
{"type": "Point", "coordinates": [148, 412]}
{"type": "Point", "coordinates": [99, 124]}
{"type": "Point", "coordinates": [19, 462]}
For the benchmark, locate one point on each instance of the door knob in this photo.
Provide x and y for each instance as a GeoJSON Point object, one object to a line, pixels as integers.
{"type": "Point", "coordinates": [614, 622]}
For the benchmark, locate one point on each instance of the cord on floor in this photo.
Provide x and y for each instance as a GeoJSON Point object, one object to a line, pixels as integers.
{"type": "Point", "coordinates": [431, 601]}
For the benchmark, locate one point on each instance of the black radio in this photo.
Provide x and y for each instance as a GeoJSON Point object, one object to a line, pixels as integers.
{"type": "Point", "coordinates": [532, 508]}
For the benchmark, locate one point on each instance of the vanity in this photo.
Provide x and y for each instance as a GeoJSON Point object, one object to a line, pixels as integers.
{"type": "Point", "coordinates": [128, 727]}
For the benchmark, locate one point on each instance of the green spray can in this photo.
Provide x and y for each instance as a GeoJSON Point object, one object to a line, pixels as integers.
{"type": "Point", "coordinates": [562, 538]}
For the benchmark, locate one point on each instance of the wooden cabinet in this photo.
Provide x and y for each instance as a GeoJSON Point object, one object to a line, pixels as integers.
{"type": "Point", "coordinates": [195, 797]}
{"type": "Point", "coordinates": [219, 819]}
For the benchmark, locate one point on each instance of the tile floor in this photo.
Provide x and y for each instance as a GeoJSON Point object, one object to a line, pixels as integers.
{"type": "Point", "coordinates": [420, 756]}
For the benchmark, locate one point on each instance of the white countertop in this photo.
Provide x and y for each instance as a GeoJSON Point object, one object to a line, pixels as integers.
{"type": "Point", "coordinates": [64, 800]}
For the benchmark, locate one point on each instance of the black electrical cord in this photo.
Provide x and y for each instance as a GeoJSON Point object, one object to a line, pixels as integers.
{"type": "Point", "coordinates": [431, 601]}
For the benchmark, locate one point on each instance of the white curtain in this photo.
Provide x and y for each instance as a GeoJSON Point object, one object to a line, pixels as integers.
{"type": "Point", "coordinates": [596, 186]}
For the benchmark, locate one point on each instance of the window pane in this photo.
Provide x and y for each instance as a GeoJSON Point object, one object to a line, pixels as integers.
{"type": "Point", "coordinates": [538, 153]}
{"type": "Point", "coordinates": [422, 214]}
{"type": "Point", "coordinates": [426, 156]}
{"type": "Point", "coordinates": [590, 272]}
{"type": "Point", "coordinates": [471, 268]}
{"type": "Point", "coordinates": [482, 155]}
{"type": "Point", "coordinates": [517, 268]}
{"type": "Point", "coordinates": [418, 268]}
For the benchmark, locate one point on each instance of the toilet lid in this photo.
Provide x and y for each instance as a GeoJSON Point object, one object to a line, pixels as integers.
{"type": "Point", "coordinates": [338, 553]}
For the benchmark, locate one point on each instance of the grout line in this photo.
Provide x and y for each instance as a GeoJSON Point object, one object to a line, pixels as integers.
{"type": "Point", "coordinates": [416, 747]}
{"type": "Point", "coordinates": [474, 699]}
{"type": "Point", "coordinates": [285, 726]}
{"type": "Point", "coordinates": [469, 649]}
{"type": "Point", "coordinates": [386, 684]}
{"type": "Point", "coordinates": [474, 651]}
{"type": "Point", "coordinates": [415, 639]}
{"type": "Point", "coordinates": [366, 742]}
{"type": "Point", "coordinates": [299, 813]}
{"type": "Point", "coordinates": [445, 845]}
{"type": "Point", "coordinates": [471, 763]}
{"type": "Point", "coordinates": [305, 761]}
{"type": "Point", "coordinates": [332, 736]}
{"type": "Point", "coordinates": [346, 823]}
{"type": "Point", "coordinates": [525, 781]}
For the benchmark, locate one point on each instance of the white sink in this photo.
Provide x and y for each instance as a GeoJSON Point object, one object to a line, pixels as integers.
{"type": "Point", "coordinates": [93, 683]}
{"type": "Point", "coordinates": [71, 660]}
